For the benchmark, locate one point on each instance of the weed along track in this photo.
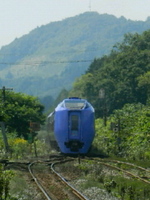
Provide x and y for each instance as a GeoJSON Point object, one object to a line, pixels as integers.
{"type": "Point", "coordinates": [129, 180]}
{"type": "Point", "coordinates": [134, 171]}
{"type": "Point", "coordinates": [67, 178]}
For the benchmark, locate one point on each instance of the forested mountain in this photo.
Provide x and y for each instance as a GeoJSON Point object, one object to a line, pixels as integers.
{"type": "Point", "coordinates": [50, 57]}
{"type": "Point", "coordinates": [119, 78]}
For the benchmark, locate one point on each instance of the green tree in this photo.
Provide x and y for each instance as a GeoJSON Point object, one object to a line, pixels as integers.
{"type": "Point", "coordinates": [18, 110]}
{"type": "Point", "coordinates": [129, 133]}
{"type": "Point", "coordinates": [5, 177]}
{"type": "Point", "coordinates": [144, 83]}
{"type": "Point", "coordinates": [123, 75]}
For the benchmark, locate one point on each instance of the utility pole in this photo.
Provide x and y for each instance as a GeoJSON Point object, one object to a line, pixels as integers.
{"type": "Point", "coordinates": [102, 95]}
{"type": "Point", "coordinates": [2, 123]}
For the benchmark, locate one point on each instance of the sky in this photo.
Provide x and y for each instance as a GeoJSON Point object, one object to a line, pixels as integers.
{"type": "Point", "coordinates": [19, 17]}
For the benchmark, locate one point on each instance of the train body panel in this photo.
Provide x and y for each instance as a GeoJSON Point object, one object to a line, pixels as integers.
{"type": "Point", "coordinates": [74, 126]}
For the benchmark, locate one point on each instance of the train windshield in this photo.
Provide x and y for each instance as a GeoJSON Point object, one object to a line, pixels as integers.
{"type": "Point", "coordinates": [77, 104]}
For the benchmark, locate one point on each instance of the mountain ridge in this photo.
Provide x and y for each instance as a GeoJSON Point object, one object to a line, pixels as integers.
{"type": "Point", "coordinates": [52, 56]}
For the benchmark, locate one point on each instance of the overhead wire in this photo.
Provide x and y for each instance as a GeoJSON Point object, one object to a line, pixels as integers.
{"type": "Point", "coordinates": [45, 62]}
{"type": "Point", "coordinates": [57, 53]}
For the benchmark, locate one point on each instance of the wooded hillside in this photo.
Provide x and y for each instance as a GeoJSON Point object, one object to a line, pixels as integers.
{"type": "Point", "coordinates": [52, 56]}
{"type": "Point", "coordinates": [123, 76]}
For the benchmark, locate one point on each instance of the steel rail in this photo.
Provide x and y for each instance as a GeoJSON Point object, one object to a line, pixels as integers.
{"type": "Point", "coordinates": [74, 190]}
{"type": "Point", "coordinates": [124, 171]}
{"type": "Point", "coordinates": [126, 163]}
{"type": "Point", "coordinates": [37, 182]}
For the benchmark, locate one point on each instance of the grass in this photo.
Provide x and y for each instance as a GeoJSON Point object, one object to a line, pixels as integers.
{"type": "Point", "coordinates": [20, 187]}
{"type": "Point", "coordinates": [116, 184]}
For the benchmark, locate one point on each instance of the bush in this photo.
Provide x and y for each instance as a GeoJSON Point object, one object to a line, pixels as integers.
{"type": "Point", "coordinates": [129, 136]}
{"type": "Point", "coordinates": [5, 177]}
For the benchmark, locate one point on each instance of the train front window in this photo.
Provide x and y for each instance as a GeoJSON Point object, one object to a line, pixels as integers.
{"type": "Point", "coordinates": [75, 104]}
{"type": "Point", "coordinates": [74, 122]}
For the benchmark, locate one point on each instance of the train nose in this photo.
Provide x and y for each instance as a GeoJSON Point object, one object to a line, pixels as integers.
{"type": "Point", "coordinates": [74, 145]}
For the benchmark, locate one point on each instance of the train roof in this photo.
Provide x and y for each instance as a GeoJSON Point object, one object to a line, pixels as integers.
{"type": "Point", "coordinates": [74, 103]}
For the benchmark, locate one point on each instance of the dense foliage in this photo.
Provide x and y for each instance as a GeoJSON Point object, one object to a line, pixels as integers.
{"type": "Point", "coordinates": [22, 149]}
{"type": "Point", "coordinates": [18, 110]}
{"type": "Point", "coordinates": [124, 76]}
{"type": "Point", "coordinates": [118, 86]}
{"type": "Point", "coordinates": [127, 133]}
{"type": "Point", "coordinates": [5, 178]}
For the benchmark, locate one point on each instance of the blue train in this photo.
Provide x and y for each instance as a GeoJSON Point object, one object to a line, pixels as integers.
{"type": "Point", "coordinates": [73, 122]}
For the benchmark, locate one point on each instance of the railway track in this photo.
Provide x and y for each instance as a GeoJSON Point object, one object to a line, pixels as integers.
{"type": "Point", "coordinates": [48, 194]}
{"type": "Point", "coordinates": [49, 175]}
{"type": "Point", "coordinates": [110, 164]}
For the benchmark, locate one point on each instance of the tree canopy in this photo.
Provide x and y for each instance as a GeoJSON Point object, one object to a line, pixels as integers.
{"type": "Point", "coordinates": [123, 75]}
{"type": "Point", "coordinates": [18, 110]}
{"type": "Point", "coordinates": [126, 134]}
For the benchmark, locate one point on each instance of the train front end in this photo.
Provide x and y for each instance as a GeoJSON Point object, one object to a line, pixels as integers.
{"type": "Point", "coordinates": [74, 126]}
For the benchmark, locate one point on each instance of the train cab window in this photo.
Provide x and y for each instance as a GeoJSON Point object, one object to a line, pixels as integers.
{"type": "Point", "coordinates": [74, 122]}
{"type": "Point", "coordinates": [75, 105]}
